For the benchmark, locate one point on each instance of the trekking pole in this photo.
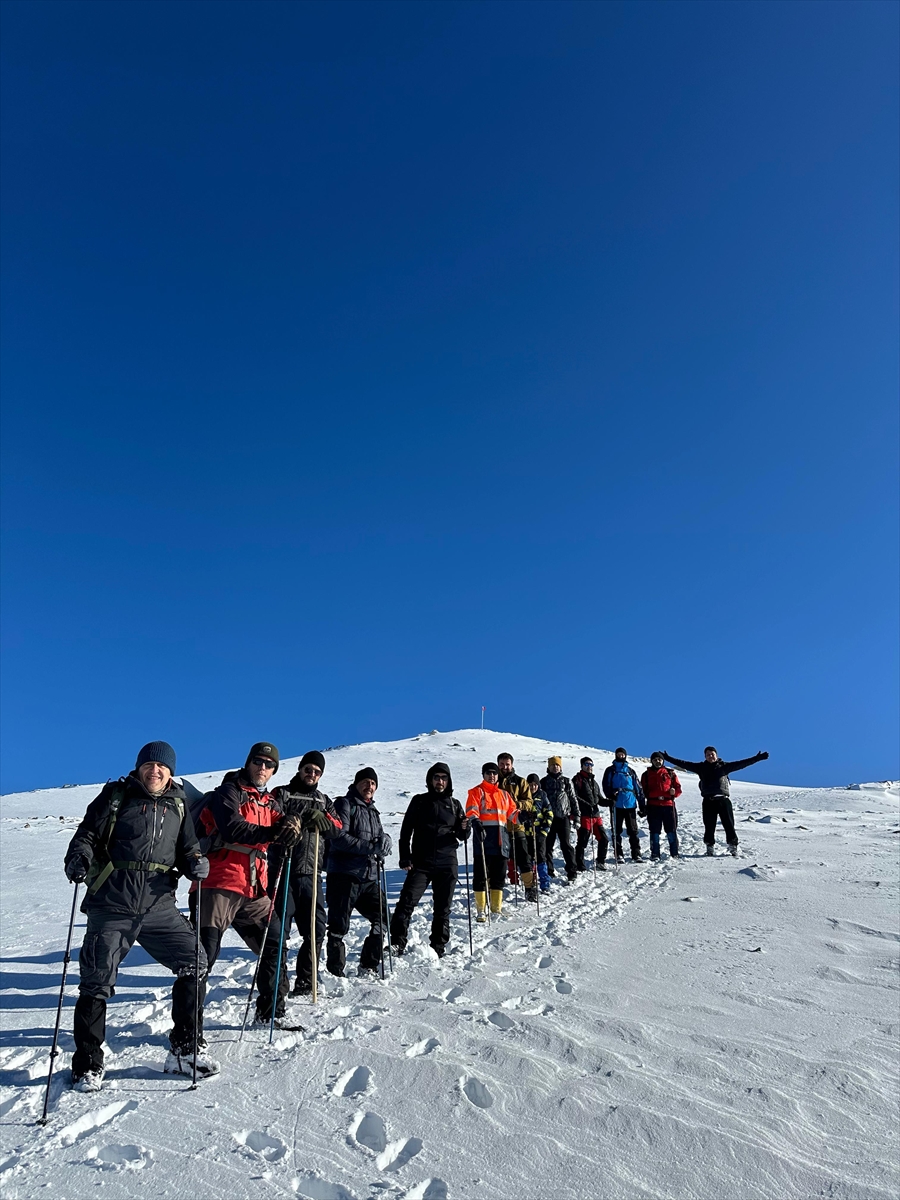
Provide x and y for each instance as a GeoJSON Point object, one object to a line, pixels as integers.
{"type": "Point", "coordinates": [67, 957]}
{"type": "Point", "coordinates": [381, 916]}
{"type": "Point", "coordinates": [287, 888]}
{"type": "Point", "coordinates": [193, 1086]}
{"type": "Point", "coordinates": [468, 897]}
{"type": "Point", "coordinates": [487, 890]}
{"type": "Point", "coordinates": [313, 944]}
{"type": "Point", "coordinates": [387, 910]}
{"type": "Point", "coordinates": [535, 875]}
{"type": "Point", "coordinates": [615, 835]}
{"type": "Point", "coordinates": [261, 949]}
{"type": "Point", "coordinates": [515, 871]}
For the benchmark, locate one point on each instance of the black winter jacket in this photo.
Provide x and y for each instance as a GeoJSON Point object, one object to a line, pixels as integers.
{"type": "Point", "coordinates": [589, 793]}
{"type": "Point", "coordinates": [148, 829]}
{"type": "Point", "coordinates": [351, 852]}
{"type": "Point", "coordinates": [434, 823]}
{"type": "Point", "coordinates": [561, 795]}
{"type": "Point", "coordinates": [295, 798]}
{"type": "Point", "coordinates": [714, 779]}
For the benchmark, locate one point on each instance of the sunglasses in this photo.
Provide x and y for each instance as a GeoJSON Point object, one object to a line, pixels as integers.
{"type": "Point", "coordinates": [264, 762]}
{"type": "Point", "coordinates": [440, 775]}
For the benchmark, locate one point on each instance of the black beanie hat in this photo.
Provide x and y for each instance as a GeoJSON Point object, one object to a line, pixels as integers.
{"type": "Point", "coordinates": [264, 750]}
{"type": "Point", "coordinates": [366, 773]}
{"type": "Point", "coordinates": [490, 767]}
{"type": "Point", "coordinates": [621, 750]}
{"type": "Point", "coordinates": [316, 757]}
{"type": "Point", "coordinates": [532, 778]}
{"type": "Point", "coordinates": [160, 752]}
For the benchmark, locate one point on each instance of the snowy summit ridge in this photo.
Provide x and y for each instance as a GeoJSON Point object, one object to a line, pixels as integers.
{"type": "Point", "coordinates": [623, 1043]}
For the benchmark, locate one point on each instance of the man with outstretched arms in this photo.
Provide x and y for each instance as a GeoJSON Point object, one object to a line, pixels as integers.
{"type": "Point", "coordinates": [433, 826]}
{"type": "Point", "coordinates": [559, 791]}
{"type": "Point", "coordinates": [136, 837]}
{"type": "Point", "coordinates": [661, 788]}
{"type": "Point", "coordinates": [242, 819]}
{"type": "Point", "coordinates": [590, 824]}
{"type": "Point", "coordinates": [715, 788]}
{"type": "Point", "coordinates": [301, 798]}
{"type": "Point", "coordinates": [623, 791]}
{"type": "Point", "coordinates": [353, 865]}
{"type": "Point", "coordinates": [492, 812]}
{"type": "Point", "coordinates": [520, 859]}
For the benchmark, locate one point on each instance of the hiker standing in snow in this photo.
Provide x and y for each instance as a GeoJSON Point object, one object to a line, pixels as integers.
{"type": "Point", "coordinates": [134, 839]}
{"type": "Point", "coordinates": [302, 798]}
{"type": "Point", "coordinates": [520, 860]}
{"type": "Point", "coordinates": [715, 788]}
{"type": "Point", "coordinates": [623, 790]}
{"type": "Point", "coordinates": [352, 863]}
{"type": "Point", "coordinates": [537, 820]}
{"type": "Point", "coordinates": [433, 826]}
{"type": "Point", "coordinates": [561, 794]}
{"type": "Point", "coordinates": [242, 819]}
{"type": "Point", "coordinates": [492, 812]}
{"type": "Point", "coordinates": [661, 788]}
{"type": "Point", "coordinates": [590, 801]}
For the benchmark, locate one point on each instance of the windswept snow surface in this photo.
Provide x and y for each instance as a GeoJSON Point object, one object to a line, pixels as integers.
{"type": "Point", "coordinates": [709, 1028]}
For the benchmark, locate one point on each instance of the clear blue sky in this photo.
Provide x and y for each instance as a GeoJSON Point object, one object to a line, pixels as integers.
{"type": "Point", "coordinates": [365, 363]}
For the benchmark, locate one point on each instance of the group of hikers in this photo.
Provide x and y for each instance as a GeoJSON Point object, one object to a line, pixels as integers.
{"type": "Point", "coordinates": [254, 857]}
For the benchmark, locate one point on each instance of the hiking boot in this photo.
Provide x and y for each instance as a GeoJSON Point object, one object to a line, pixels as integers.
{"type": "Point", "coordinates": [531, 894]}
{"type": "Point", "coordinates": [89, 1081]}
{"type": "Point", "coordinates": [181, 1062]}
{"type": "Point", "coordinates": [480, 919]}
{"type": "Point", "coordinates": [732, 847]}
{"type": "Point", "coordinates": [637, 857]}
{"type": "Point", "coordinates": [654, 857]}
{"type": "Point", "coordinates": [303, 987]}
{"type": "Point", "coordinates": [282, 1021]}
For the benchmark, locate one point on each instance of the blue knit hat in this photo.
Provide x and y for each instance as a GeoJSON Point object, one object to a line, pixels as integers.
{"type": "Point", "coordinates": [160, 752]}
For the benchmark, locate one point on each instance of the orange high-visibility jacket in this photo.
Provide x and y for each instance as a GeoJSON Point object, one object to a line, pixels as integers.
{"type": "Point", "coordinates": [490, 805]}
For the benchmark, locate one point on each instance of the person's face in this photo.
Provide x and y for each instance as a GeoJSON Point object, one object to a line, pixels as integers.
{"type": "Point", "coordinates": [554, 768]}
{"type": "Point", "coordinates": [491, 776]}
{"type": "Point", "coordinates": [621, 755]}
{"type": "Point", "coordinates": [310, 774]}
{"type": "Point", "coordinates": [505, 763]}
{"type": "Point", "coordinates": [260, 770]}
{"type": "Point", "coordinates": [656, 761]}
{"type": "Point", "coordinates": [535, 786]}
{"type": "Point", "coordinates": [587, 767]}
{"type": "Point", "coordinates": [439, 781]}
{"type": "Point", "coordinates": [711, 756]}
{"type": "Point", "coordinates": [367, 788]}
{"type": "Point", "coordinates": [155, 777]}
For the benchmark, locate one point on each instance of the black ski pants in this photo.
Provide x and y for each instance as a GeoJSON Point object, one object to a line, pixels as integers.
{"type": "Point", "coordinates": [627, 817]}
{"type": "Point", "coordinates": [659, 817]}
{"type": "Point", "coordinates": [718, 808]}
{"type": "Point", "coordinates": [443, 885]}
{"type": "Point", "coordinates": [561, 829]}
{"type": "Point", "coordinates": [590, 827]}
{"type": "Point", "coordinates": [299, 912]}
{"type": "Point", "coordinates": [496, 869]}
{"type": "Point", "coordinates": [167, 936]}
{"type": "Point", "coordinates": [343, 894]}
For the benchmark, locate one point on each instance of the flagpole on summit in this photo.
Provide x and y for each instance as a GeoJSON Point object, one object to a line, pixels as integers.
{"type": "Point", "coordinates": [482, 716]}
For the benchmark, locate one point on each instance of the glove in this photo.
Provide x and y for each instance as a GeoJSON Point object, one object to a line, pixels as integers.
{"type": "Point", "coordinates": [77, 868]}
{"type": "Point", "coordinates": [197, 868]}
{"type": "Point", "coordinates": [642, 812]}
{"type": "Point", "coordinates": [386, 845]}
{"type": "Point", "coordinates": [762, 754]}
{"type": "Point", "coordinates": [319, 820]}
{"type": "Point", "coordinates": [465, 828]}
{"type": "Point", "coordinates": [289, 832]}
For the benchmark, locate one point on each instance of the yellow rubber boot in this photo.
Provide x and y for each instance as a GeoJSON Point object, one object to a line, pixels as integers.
{"type": "Point", "coordinates": [496, 900]}
{"type": "Point", "coordinates": [480, 907]}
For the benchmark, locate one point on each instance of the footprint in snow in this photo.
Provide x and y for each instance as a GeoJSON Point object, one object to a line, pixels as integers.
{"type": "Point", "coordinates": [423, 1047]}
{"type": "Point", "coordinates": [90, 1121]}
{"type": "Point", "coordinates": [544, 961]}
{"type": "Point", "coordinates": [501, 1020]}
{"type": "Point", "coordinates": [119, 1158]}
{"type": "Point", "coordinates": [272, 1149]}
{"type": "Point", "coordinates": [368, 1130]}
{"type": "Point", "coordinates": [353, 1083]}
{"type": "Point", "coordinates": [564, 987]}
{"type": "Point", "coordinates": [475, 1091]}
{"type": "Point", "coordinates": [452, 994]}
{"type": "Point", "coordinates": [428, 1189]}
{"type": "Point", "coordinates": [398, 1154]}
{"type": "Point", "coordinates": [315, 1188]}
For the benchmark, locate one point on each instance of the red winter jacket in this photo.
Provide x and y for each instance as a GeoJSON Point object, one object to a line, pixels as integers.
{"type": "Point", "coordinates": [658, 783]}
{"type": "Point", "coordinates": [245, 821]}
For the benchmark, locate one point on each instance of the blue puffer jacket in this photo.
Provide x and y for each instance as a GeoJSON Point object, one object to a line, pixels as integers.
{"type": "Point", "coordinates": [622, 785]}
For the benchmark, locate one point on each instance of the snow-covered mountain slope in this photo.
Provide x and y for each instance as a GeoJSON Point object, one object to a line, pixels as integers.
{"type": "Point", "coordinates": [706, 1028]}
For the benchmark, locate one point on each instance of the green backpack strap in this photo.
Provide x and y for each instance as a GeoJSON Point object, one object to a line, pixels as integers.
{"type": "Point", "coordinates": [98, 874]}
